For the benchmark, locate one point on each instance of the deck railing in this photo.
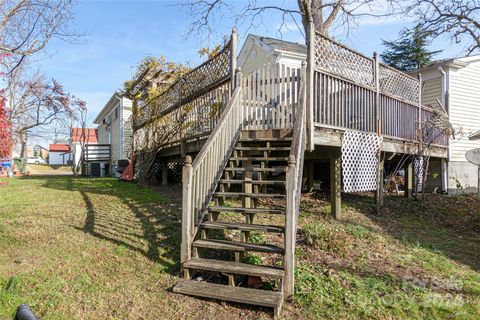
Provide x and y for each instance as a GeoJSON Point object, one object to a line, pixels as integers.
{"type": "Point", "coordinates": [270, 96]}
{"type": "Point", "coordinates": [97, 152]}
{"type": "Point", "coordinates": [191, 107]}
{"type": "Point", "coordinates": [201, 177]}
{"type": "Point", "coordinates": [352, 91]}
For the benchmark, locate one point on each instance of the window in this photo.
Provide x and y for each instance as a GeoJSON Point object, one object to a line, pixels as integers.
{"type": "Point", "coordinates": [116, 114]}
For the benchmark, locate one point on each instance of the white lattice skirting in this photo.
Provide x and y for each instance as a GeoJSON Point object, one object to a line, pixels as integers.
{"type": "Point", "coordinates": [360, 161]}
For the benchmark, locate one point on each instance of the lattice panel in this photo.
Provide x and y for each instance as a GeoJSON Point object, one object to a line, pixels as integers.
{"type": "Point", "coordinates": [360, 161]}
{"type": "Point", "coordinates": [137, 167]}
{"type": "Point", "coordinates": [189, 86]}
{"type": "Point", "coordinates": [398, 84]}
{"type": "Point", "coordinates": [337, 59]}
{"type": "Point", "coordinates": [175, 170]}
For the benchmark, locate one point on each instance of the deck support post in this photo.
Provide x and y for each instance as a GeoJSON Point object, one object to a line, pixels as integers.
{"type": "Point", "coordinates": [335, 186]}
{"type": "Point", "coordinates": [164, 174]}
{"type": "Point", "coordinates": [187, 218]}
{"type": "Point", "coordinates": [444, 175]}
{"type": "Point", "coordinates": [379, 192]}
{"type": "Point", "coordinates": [310, 175]}
{"type": "Point", "coordinates": [409, 176]}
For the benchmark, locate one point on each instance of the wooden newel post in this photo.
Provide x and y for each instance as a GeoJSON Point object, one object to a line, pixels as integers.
{"type": "Point", "coordinates": [310, 84]}
{"type": "Point", "coordinates": [187, 213]}
{"type": "Point", "coordinates": [233, 57]}
{"type": "Point", "coordinates": [290, 234]}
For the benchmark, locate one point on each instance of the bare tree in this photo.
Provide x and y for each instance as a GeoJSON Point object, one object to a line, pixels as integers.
{"type": "Point", "coordinates": [459, 19]}
{"type": "Point", "coordinates": [325, 14]}
{"type": "Point", "coordinates": [37, 102]}
{"type": "Point", "coordinates": [26, 26]}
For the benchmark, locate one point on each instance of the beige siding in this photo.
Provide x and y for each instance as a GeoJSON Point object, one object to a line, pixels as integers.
{"type": "Point", "coordinates": [102, 134]}
{"type": "Point", "coordinates": [464, 93]}
{"type": "Point", "coordinates": [432, 90]}
{"type": "Point", "coordinates": [257, 57]}
{"type": "Point", "coordinates": [127, 128]}
{"type": "Point", "coordinates": [115, 135]}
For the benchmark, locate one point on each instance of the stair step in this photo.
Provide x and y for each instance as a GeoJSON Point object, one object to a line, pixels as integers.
{"type": "Point", "coordinates": [253, 169]}
{"type": "Point", "coordinates": [230, 293]}
{"type": "Point", "coordinates": [262, 148]}
{"type": "Point", "coordinates": [251, 195]}
{"type": "Point", "coordinates": [284, 139]}
{"type": "Point", "coordinates": [262, 182]}
{"type": "Point", "coordinates": [246, 210]}
{"type": "Point", "coordinates": [230, 267]}
{"type": "Point", "coordinates": [241, 226]}
{"type": "Point", "coordinates": [259, 158]}
{"type": "Point", "coordinates": [237, 246]}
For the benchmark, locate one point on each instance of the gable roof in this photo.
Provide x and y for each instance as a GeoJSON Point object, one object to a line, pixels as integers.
{"type": "Point", "coordinates": [281, 45]}
{"type": "Point", "coordinates": [108, 107]}
{"type": "Point", "coordinates": [459, 62]}
{"type": "Point", "coordinates": [58, 147]}
{"type": "Point", "coordinates": [91, 135]}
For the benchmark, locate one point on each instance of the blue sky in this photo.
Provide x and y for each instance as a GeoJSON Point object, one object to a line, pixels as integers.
{"type": "Point", "coordinates": [121, 33]}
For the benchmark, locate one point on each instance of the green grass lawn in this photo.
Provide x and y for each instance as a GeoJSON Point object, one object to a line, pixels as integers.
{"type": "Point", "coordinates": [75, 248]}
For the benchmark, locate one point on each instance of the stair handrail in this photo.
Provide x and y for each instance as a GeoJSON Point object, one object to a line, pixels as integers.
{"type": "Point", "coordinates": [294, 184]}
{"type": "Point", "coordinates": [200, 178]}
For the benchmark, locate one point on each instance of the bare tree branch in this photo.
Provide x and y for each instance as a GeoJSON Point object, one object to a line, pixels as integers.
{"type": "Point", "coordinates": [458, 19]}
{"type": "Point", "coordinates": [337, 12]}
{"type": "Point", "coordinates": [26, 26]}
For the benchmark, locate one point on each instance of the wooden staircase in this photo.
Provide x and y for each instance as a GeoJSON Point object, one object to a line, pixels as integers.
{"type": "Point", "coordinates": [255, 171]}
{"type": "Point", "coordinates": [241, 197]}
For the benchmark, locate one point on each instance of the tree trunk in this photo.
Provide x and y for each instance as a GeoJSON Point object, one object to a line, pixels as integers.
{"type": "Point", "coordinates": [24, 144]}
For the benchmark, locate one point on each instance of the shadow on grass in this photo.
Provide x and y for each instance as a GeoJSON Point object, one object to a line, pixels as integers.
{"type": "Point", "coordinates": [137, 218]}
{"type": "Point", "coordinates": [446, 225]}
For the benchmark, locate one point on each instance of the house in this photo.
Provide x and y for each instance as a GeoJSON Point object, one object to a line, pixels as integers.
{"type": "Point", "coordinates": [455, 84]}
{"type": "Point", "coordinates": [59, 154]}
{"type": "Point", "coordinates": [79, 137]}
{"type": "Point", "coordinates": [258, 51]}
{"type": "Point", "coordinates": [115, 127]}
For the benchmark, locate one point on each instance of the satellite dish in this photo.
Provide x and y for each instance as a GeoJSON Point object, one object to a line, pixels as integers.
{"type": "Point", "coordinates": [473, 156]}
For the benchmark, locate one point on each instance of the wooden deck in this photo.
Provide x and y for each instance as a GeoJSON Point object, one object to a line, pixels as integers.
{"type": "Point", "coordinates": [249, 135]}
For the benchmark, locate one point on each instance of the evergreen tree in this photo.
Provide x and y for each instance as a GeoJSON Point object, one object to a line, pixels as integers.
{"type": "Point", "coordinates": [410, 51]}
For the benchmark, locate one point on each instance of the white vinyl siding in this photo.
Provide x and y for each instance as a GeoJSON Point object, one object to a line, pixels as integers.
{"type": "Point", "coordinates": [464, 94]}
{"type": "Point", "coordinates": [431, 91]}
{"type": "Point", "coordinates": [102, 134]}
{"type": "Point", "coordinates": [127, 129]}
{"type": "Point", "coordinates": [115, 137]}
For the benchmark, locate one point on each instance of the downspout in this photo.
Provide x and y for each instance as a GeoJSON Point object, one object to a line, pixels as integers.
{"type": "Point", "coordinates": [446, 108]}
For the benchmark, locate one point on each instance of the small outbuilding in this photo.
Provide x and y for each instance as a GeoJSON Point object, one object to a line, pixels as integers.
{"type": "Point", "coordinates": [59, 154]}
